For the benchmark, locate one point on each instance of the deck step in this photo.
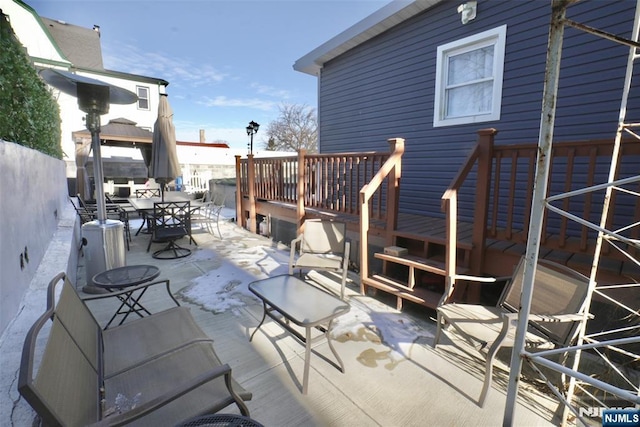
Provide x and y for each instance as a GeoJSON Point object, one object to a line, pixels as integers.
{"type": "Point", "coordinates": [418, 294]}
{"type": "Point", "coordinates": [424, 264]}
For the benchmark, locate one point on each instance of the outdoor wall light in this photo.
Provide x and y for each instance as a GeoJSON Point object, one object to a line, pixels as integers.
{"type": "Point", "coordinates": [252, 129]}
{"type": "Point", "coordinates": [467, 11]}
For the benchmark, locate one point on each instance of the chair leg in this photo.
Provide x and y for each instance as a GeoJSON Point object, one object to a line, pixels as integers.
{"type": "Point", "coordinates": [488, 373]}
{"type": "Point", "coordinates": [127, 234]}
{"type": "Point", "coordinates": [440, 321]}
{"type": "Point", "coordinates": [144, 222]}
{"type": "Point", "coordinates": [218, 226]}
{"type": "Point", "coordinates": [177, 250]}
{"type": "Point", "coordinates": [344, 282]}
{"type": "Point", "coordinates": [491, 354]}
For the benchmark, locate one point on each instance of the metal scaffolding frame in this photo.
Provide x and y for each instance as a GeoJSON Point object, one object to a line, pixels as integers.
{"type": "Point", "coordinates": [598, 393]}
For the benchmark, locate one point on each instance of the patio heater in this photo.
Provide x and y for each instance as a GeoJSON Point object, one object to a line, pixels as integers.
{"type": "Point", "coordinates": [105, 244]}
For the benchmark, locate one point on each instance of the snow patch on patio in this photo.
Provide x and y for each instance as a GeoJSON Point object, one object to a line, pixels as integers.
{"type": "Point", "coordinates": [240, 259]}
{"type": "Point", "coordinates": [226, 287]}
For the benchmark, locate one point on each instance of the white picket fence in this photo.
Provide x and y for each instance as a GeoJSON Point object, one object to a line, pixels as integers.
{"type": "Point", "coordinates": [195, 182]}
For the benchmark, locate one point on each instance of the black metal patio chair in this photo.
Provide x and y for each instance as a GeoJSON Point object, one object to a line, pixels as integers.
{"type": "Point", "coordinates": [170, 222]}
{"type": "Point", "coordinates": [145, 193]}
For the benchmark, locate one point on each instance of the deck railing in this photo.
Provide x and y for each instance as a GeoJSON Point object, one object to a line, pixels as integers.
{"type": "Point", "coordinates": [327, 182]}
{"type": "Point", "coordinates": [503, 177]}
{"type": "Point", "coordinates": [390, 172]}
{"type": "Point", "coordinates": [480, 154]}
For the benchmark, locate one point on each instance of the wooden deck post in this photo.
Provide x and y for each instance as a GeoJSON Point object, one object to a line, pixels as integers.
{"type": "Point", "coordinates": [300, 182]}
{"type": "Point", "coordinates": [479, 234]}
{"type": "Point", "coordinates": [251, 182]}
{"type": "Point", "coordinates": [239, 215]}
{"type": "Point", "coordinates": [364, 241]}
{"type": "Point", "coordinates": [396, 145]}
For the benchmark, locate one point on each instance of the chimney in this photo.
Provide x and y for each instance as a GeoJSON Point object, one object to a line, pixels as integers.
{"type": "Point", "coordinates": [202, 136]}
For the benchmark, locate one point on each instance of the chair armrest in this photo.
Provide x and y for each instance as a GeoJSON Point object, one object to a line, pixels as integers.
{"type": "Point", "coordinates": [295, 241]}
{"type": "Point", "coordinates": [132, 289]}
{"type": "Point", "coordinates": [558, 318]}
{"type": "Point", "coordinates": [294, 244]}
{"type": "Point", "coordinates": [179, 391]}
{"type": "Point", "coordinates": [482, 279]}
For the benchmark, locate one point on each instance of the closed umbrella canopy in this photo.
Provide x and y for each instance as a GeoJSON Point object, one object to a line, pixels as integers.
{"type": "Point", "coordinates": [82, 179]}
{"type": "Point", "coordinates": [164, 166]}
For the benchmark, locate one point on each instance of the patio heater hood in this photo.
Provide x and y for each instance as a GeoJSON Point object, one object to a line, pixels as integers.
{"type": "Point", "coordinates": [93, 95]}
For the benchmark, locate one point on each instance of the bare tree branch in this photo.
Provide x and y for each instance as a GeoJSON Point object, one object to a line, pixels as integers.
{"type": "Point", "coordinates": [296, 128]}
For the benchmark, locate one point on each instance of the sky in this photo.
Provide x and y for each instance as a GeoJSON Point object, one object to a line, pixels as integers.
{"type": "Point", "coordinates": [228, 62]}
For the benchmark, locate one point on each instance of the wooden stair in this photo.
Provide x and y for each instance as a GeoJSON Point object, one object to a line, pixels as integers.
{"type": "Point", "coordinates": [410, 285]}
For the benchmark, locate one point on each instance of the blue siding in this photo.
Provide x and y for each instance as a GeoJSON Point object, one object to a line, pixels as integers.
{"type": "Point", "coordinates": [384, 88]}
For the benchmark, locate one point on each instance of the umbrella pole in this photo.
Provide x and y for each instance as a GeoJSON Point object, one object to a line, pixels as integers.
{"type": "Point", "coordinates": [93, 123]}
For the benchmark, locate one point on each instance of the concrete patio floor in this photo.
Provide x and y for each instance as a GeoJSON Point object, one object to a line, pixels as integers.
{"type": "Point", "coordinates": [392, 380]}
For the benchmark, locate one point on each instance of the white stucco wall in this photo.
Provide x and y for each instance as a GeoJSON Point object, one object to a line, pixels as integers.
{"type": "Point", "coordinates": [33, 196]}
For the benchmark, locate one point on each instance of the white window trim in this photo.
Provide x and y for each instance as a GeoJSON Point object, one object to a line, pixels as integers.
{"type": "Point", "coordinates": [497, 37]}
{"type": "Point", "coordinates": [148, 96]}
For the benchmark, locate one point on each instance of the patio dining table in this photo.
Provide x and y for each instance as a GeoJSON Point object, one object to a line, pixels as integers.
{"type": "Point", "coordinates": [144, 205]}
{"type": "Point", "coordinates": [141, 204]}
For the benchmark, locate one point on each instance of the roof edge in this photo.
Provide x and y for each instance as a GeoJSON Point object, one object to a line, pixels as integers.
{"type": "Point", "coordinates": [378, 22]}
{"type": "Point", "coordinates": [44, 28]}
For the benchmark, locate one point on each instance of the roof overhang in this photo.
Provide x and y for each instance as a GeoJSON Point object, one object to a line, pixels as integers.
{"type": "Point", "coordinates": [378, 22]}
{"type": "Point", "coordinates": [117, 133]}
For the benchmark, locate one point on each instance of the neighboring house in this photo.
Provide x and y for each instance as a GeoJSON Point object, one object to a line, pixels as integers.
{"type": "Point", "coordinates": [450, 96]}
{"type": "Point", "coordinates": [60, 45]}
{"type": "Point", "coordinates": [386, 77]}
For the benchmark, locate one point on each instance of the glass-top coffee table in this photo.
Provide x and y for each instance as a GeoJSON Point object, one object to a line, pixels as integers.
{"type": "Point", "coordinates": [304, 305]}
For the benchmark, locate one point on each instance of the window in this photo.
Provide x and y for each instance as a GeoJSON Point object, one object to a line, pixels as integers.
{"type": "Point", "coordinates": [143, 97]}
{"type": "Point", "coordinates": [469, 79]}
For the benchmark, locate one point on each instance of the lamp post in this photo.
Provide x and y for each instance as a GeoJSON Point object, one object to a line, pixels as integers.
{"type": "Point", "coordinates": [252, 129]}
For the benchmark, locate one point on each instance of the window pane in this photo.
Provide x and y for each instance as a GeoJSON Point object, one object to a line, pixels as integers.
{"type": "Point", "coordinates": [469, 100]}
{"type": "Point", "coordinates": [468, 87]}
{"type": "Point", "coordinates": [143, 97]}
{"type": "Point", "coordinates": [470, 66]}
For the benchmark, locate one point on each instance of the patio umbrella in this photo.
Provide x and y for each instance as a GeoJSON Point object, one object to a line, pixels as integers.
{"type": "Point", "coordinates": [164, 166]}
{"type": "Point", "coordinates": [145, 150]}
{"type": "Point", "coordinates": [82, 179]}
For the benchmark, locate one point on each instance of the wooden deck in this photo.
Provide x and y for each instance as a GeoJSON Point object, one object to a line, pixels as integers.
{"type": "Point", "coordinates": [494, 185]}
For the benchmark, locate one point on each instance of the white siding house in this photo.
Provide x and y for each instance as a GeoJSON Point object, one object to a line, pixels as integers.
{"type": "Point", "coordinates": [56, 44]}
